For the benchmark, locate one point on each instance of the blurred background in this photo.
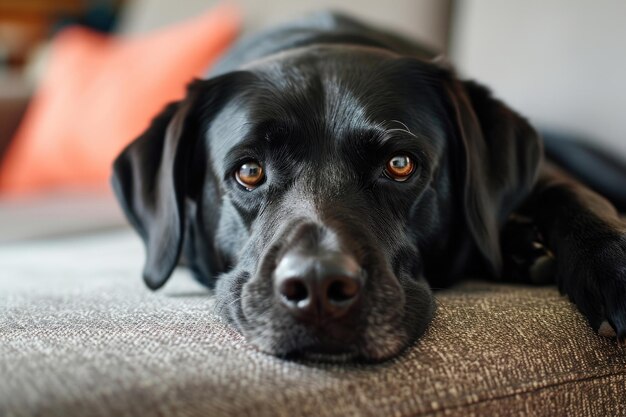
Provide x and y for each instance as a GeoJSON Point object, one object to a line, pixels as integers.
{"type": "Point", "coordinates": [80, 78]}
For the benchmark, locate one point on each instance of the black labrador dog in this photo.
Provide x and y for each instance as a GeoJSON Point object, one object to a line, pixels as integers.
{"type": "Point", "coordinates": [328, 173]}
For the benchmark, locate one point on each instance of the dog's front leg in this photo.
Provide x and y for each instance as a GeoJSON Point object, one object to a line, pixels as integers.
{"type": "Point", "coordinates": [588, 239]}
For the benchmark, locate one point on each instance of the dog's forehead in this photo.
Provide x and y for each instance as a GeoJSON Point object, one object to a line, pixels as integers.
{"type": "Point", "coordinates": [319, 57]}
{"type": "Point", "coordinates": [332, 73]}
{"type": "Point", "coordinates": [330, 91]}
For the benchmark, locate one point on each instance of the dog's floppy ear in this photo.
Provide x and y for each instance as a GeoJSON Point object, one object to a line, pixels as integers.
{"type": "Point", "coordinates": [150, 177]}
{"type": "Point", "coordinates": [501, 157]}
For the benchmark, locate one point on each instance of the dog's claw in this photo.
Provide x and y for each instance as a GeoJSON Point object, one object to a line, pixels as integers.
{"type": "Point", "coordinates": [606, 330]}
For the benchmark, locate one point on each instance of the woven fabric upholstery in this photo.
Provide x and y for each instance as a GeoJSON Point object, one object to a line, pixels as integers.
{"type": "Point", "coordinates": [81, 336]}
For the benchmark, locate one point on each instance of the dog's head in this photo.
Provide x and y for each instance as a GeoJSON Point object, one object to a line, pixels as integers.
{"type": "Point", "coordinates": [316, 187]}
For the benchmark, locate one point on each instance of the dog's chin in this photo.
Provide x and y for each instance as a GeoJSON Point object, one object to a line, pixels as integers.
{"type": "Point", "coordinates": [323, 353]}
{"type": "Point", "coordinates": [312, 356]}
{"type": "Point", "coordinates": [363, 352]}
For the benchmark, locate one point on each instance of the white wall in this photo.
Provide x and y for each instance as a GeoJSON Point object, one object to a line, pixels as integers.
{"type": "Point", "coordinates": [561, 62]}
{"type": "Point", "coordinates": [426, 20]}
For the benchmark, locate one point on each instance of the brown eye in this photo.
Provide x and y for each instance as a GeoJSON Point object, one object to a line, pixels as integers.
{"type": "Point", "coordinates": [249, 174]}
{"type": "Point", "coordinates": [400, 167]}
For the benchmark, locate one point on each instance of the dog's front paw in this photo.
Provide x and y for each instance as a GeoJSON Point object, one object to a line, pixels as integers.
{"type": "Point", "coordinates": [594, 278]}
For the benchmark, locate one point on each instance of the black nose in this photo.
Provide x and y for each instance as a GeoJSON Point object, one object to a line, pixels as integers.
{"type": "Point", "coordinates": [318, 287]}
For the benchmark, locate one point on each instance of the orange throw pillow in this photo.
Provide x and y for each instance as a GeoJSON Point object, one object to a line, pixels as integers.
{"type": "Point", "coordinates": [100, 92]}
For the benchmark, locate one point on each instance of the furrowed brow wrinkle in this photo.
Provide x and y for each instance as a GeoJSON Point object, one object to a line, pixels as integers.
{"type": "Point", "coordinates": [254, 144]}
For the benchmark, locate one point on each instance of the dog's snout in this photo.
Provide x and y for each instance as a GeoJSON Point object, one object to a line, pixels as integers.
{"type": "Point", "coordinates": [318, 287]}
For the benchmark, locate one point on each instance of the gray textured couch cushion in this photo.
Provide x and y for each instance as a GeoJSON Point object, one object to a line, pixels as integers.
{"type": "Point", "coordinates": [58, 213]}
{"type": "Point", "coordinates": [81, 336]}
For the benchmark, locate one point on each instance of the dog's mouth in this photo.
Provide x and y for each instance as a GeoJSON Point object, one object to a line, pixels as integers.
{"type": "Point", "coordinates": [382, 334]}
{"type": "Point", "coordinates": [383, 329]}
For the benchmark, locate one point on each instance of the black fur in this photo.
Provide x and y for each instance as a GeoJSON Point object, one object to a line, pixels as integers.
{"type": "Point", "coordinates": [323, 104]}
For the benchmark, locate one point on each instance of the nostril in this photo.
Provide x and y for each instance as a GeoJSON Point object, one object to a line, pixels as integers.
{"type": "Point", "coordinates": [294, 290]}
{"type": "Point", "coordinates": [342, 289]}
